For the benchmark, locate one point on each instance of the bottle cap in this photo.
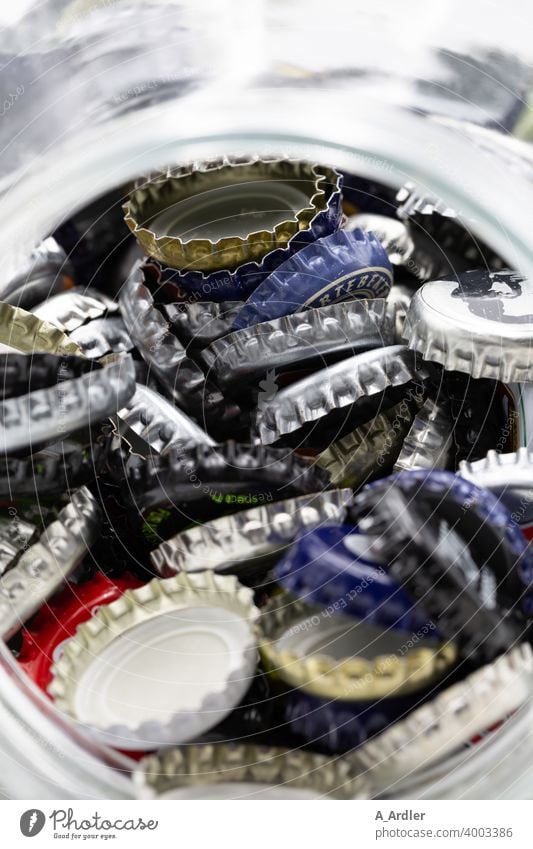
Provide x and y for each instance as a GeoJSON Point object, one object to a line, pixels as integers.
{"type": "Point", "coordinates": [338, 267]}
{"type": "Point", "coordinates": [23, 373]}
{"type": "Point", "coordinates": [447, 722]}
{"type": "Point", "coordinates": [481, 766]}
{"type": "Point", "coordinates": [391, 232]}
{"type": "Point", "coordinates": [56, 469]}
{"type": "Point", "coordinates": [45, 635]}
{"type": "Point", "coordinates": [39, 416]}
{"type": "Point", "coordinates": [411, 249]}
{"type": "Point", "coordinates": [318, 336]}
{"type": "Point", "coordinates": [161, 350]}
{"type": "Point", "coordinates": [15, 537]}
{"type": "Point", "coordinates": [70, 310]}
{"type": "Point", "coordinates": [372, 447]}
{"type": "Point", "coordinates": [334, 567]}
{"type": "Point", "coordinates": [222, 213]}
{"type": "Point", "coordinates": [338, 386]}
{"type": "Point", "coordinates": [480, 323]}
{"type": "Point", "coordinates": [240, 282]}
{"type": "Point", "coordinates": [428, 443]}
{"type": "Point", "coordinates": [150, 423]}
{"type": "Point", "coordinates": [132, 674]}
{"type": "Point", "coordinates": [336, 726]}
{"type": "Point", "coordinates": [221, 475]}
{"type": "Point", "coordinates": [45, 272]}
{"type": "Point", "coordinates": [238, 541]}
{"type": "Point", "coordinates": [508, 477]}
{"type": "Point", "coordinates": [431, 220]}
{"type": "Point", "coordinates": [412, 201]}
{"type": "Point", "coordinates": [44, 566]}
{"type": "Point", "coordinates": [398, 302]}
{"type": "Point", "coordinates": [29, 334]}
{"type": "Point", "coordinates": [337, 657]}
{"type": "Point", "coordinates": [200, 323]}
{"type": "Point", "coordinates": [103, 336]}
{"type": "Point", "coordinates": [430, 559]}
{"type": "Point", "coordinates": [484, 525]}
{"type": "Point", "coordinates": [245, 771]}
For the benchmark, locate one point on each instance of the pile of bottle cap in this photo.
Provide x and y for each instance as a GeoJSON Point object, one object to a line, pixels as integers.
{"type": "Point", "coordinates": [266, 487]}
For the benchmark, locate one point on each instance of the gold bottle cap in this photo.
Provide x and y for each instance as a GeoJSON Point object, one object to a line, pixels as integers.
{"type": "Point", "coordinates": [201, 217]}
{"type": "Point", "coordinates": [338, 657]}
{"type": "Point", "coordinates": [29, 334]}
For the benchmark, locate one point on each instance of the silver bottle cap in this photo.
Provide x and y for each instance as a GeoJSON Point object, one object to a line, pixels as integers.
{"type": "Point", "coordinates": [239, 540]}
{"type": "Point", "coordinates": [44, 566]}
{"type": "Point", "coordinates": [70, 310]}
{"type": "Point", "coordinates": [398, 302]}
{"type": "Point", "coordinates": [161, 349]}
{"type": "Point", "coordinates": [428, 443]}
{"type": "Point", "coordinates": [150, 423]}
{"type": "Point", "coordinates": [480, 323]}
{"type": "Point", "coordinates": [294, 339]}
{"type": "Point", "coordinates": [391, 232]}
{"type": "Point", "coordinates": [103, 336]}
{"type": "Point", "coordinates": [41, 274]}
{"type": "Point", "coordinates": [245, 770]}
{"type": "Point", "coordinates": [449, 721]}
{"type": "Point", "coordinates": [15, 537]}
{"type": "Point", "coordinates": [67, 406]}
{"type": "Point", "coordinates": [510, 477]}
{"type": "Point", "coordinates": [336, 387]}
{"type": "Point", "coordinates": [413, 201]}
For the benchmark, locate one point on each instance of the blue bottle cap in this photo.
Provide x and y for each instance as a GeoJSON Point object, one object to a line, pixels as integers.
{"type": "Point", "coordinates": [335, 726]}
{"type": "Point", "coordinates": [334, 567]}
{"type": "Point", "coordinates": [480, 520]}
{"type": "Point", "coordinates": [338, 267]}
{"type": "Point", "coordinates": [426, 553]}
{"type": "Point", "coordinates": [485, 526]}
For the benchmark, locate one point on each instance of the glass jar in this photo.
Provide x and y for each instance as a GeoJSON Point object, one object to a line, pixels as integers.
{"type": "Point", "coordinates": [99, 91]}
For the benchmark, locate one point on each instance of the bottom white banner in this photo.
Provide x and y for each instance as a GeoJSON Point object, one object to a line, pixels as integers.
{"type": "Point", "coordinates": [256, 824]}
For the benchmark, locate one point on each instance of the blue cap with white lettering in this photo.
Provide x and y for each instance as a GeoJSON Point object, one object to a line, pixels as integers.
{"type": "Point", "coordinates": [338, 267]}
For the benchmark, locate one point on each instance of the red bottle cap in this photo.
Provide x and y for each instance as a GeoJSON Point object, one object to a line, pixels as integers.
{"type": "Point", "coordinates": [45, 634]}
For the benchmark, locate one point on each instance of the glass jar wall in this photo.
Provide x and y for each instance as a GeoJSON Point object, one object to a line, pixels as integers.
{"type": "Point", "coordinates": [96, 93]}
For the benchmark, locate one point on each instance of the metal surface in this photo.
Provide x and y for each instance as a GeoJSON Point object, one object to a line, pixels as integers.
{"type": "Point", "coordinates": [294, 340]}
{"type": "Point", "coordinates": [236, 541]}
{"type": "Point", "coordinates": [338, 386]}
{"type": "Point", "coordinates": [44, 566]}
